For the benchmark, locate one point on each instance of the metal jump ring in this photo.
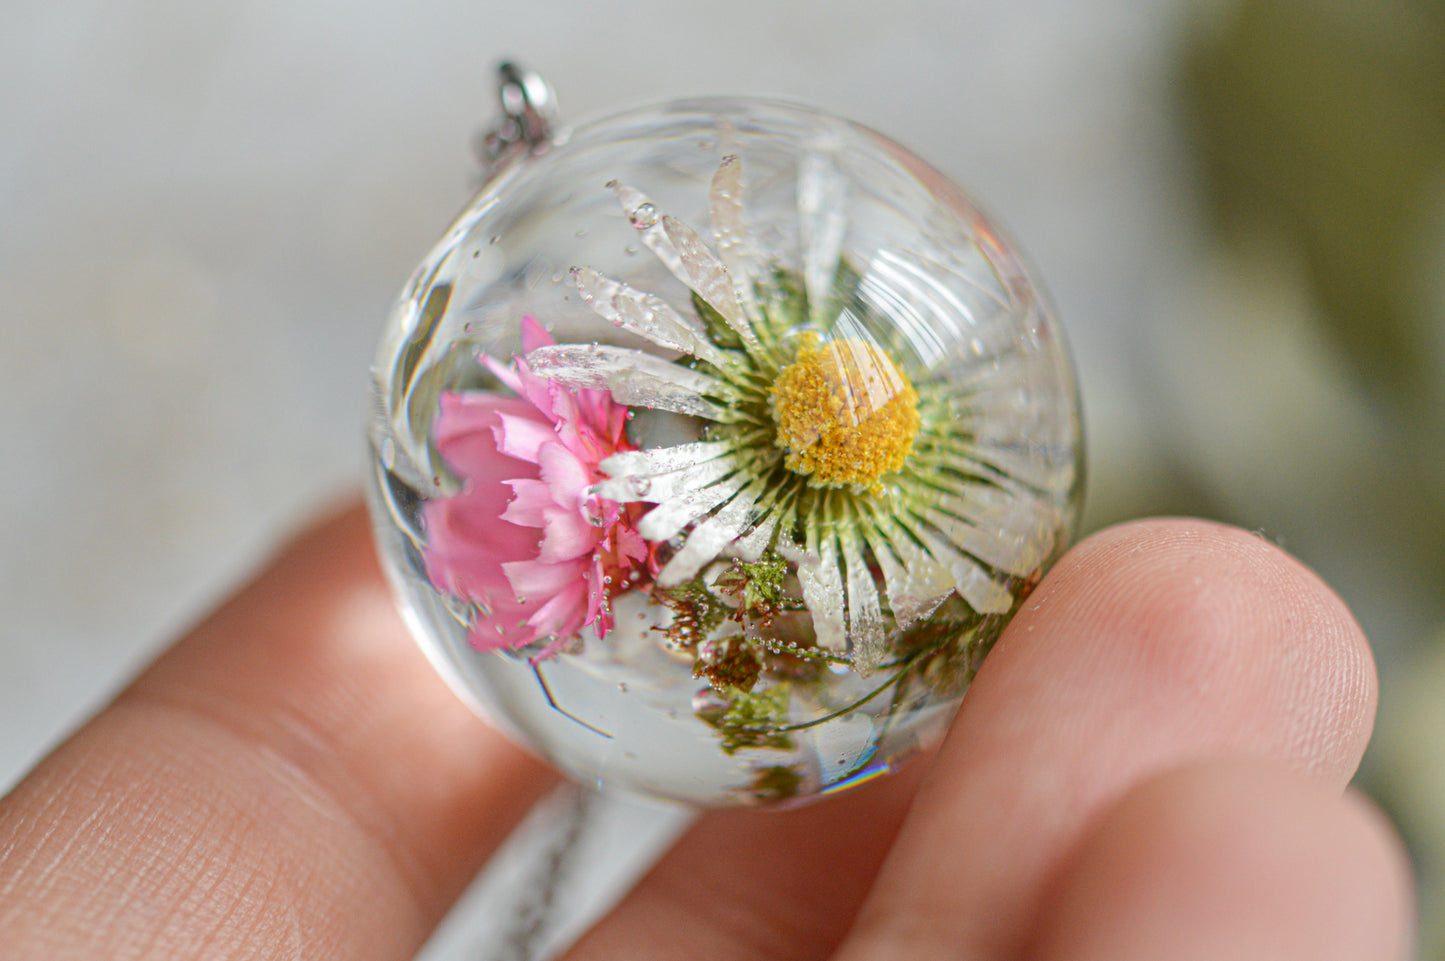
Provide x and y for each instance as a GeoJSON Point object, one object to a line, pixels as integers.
{"type": "Point", "coordinates": [528, 116]}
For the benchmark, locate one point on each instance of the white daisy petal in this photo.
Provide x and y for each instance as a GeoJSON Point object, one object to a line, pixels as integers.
{"type": "Point", "coordinates": [644, 314]}
{"type": "Point", "coordinates": [660, 460]}
{"type": "Point", "coordinates": [725, 206]}
{"type": "Point", "coordinates": [645, 216]}
{"type": "Point", "coordinates": [822, 588]}
{"type": "Point", "coordinates": [708, 539]}
{"type": "Point", "coordinates": [865, 615]}
{"type": "Point", "coordinates": [916, 583]}
{"type": "Point", "coordinates": [667, 519]}
{"type": "Point", "coordinates": [1006, 531]}
{"type": "Point", "coordinates": [975, 585]}
{"type": "Point", "coordinates": [1021, 463]}
{"type": "Point", "coordinates": [751, 545]}
{"type": "Point", "coordinates": [686, 257]}
{"type": "Point", "coordinates": [708, 277]}
{"type": "Point", "coordinates": [635, 378]}
{"type": "Point", "coordinates": [662, 487]}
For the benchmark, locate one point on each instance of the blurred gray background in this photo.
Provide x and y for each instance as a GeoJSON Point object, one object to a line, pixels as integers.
{"type": "Point", "coordinates": [207, 210]}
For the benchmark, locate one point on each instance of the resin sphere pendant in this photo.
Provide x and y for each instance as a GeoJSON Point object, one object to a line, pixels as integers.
{"type": "Point", "coordinates": [715, 444]}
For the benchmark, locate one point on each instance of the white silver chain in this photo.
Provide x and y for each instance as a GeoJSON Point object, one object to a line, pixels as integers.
{"type": "Point", "coordinates": [525, 937]}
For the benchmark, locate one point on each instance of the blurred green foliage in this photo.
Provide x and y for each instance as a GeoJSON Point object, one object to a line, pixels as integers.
{"type": "Point", "coordinates": [1320, 125]}
{"type": "Point", "coordinates": [1326, 118]}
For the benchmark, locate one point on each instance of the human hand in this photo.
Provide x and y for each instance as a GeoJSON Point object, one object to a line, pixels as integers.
{"type": "Point", "coordinates": [1149, 765]}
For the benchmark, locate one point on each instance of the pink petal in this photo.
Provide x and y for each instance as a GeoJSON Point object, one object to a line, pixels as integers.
{"type": "Point", "coordinates": [466, 542]}
{"type": "Point", "coordinates": [539, 579]}
{"type": "Point", "coordinates": [567, 477]}
{"type": "Point", "coordinates": [525, 524]}
{"type": "Point", "coordinates": [464, 435]}
{"type": "Point", "coordinates": [530, 500]}
{"type": "Point", "coordinates": [563, 615]}
{"type": "Point", "coordinates": [594, 406]}
{"type": "Point", "coordinates": [522, 436]}
{"type": "Point", "coordinates": [630, 544]}
{"type": "Point", "coordinates": [597, 594]}
{"type": "Point", "coordinates": [614, 427]}
{"type": "Point", "coordinates": [470, 571]}
{"type": "Point", "coordinates": [506, 373]}
{"type": "Point", "coordinates": [465, 559]}
{"type": "Point", "coordinates": [538, 391]}
{"type": "Point", "coordinates": [566, 535]}
{"type": "Point", "coordinates": [534, 335]}
{"type": "Point", "coordinates": [564, 412]}
{"type": "Point", "coordinates": [464, 529]}
{"type": "Point", "coordinates": [490, 634]}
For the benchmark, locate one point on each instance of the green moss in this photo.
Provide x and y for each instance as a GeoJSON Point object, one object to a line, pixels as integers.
{"type": "Point", "coordinates": [776, 783]}
{"type": "Point", "coordinates": [757, 587]}
{"type": "Point", "coordinates": [728, 663]}
{"type": "Point", "coordinates": [751, 719]}
{"type": "Point", "coordinates": [696, 613]}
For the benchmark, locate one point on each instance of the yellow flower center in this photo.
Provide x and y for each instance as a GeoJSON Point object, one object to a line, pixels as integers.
{"type": "Point", "coordinates": [846, 414]}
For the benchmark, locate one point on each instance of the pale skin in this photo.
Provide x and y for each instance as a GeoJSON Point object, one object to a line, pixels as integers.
{"type": "Point", "coordinates": [1152, 764]}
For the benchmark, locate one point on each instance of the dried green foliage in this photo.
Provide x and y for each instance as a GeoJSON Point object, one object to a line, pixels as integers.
{"type": "Point", "coordinates": [776, 783]}
{"type": "Point", "coordinates": [696, 613]}
{"type": "Point", "coordinates": [728, 663]}
{"type": "Point", "coordinates": [751, 719]}
{"type": "Point", "coordinates": [757, 587]}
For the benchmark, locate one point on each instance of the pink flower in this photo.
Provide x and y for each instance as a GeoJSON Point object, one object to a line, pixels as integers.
{"type": "Point", "coordinates": [526, 539]}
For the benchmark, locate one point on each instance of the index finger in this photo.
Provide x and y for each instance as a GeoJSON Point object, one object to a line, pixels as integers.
{"type": "Point", "coordinates": [292, 779]}
{"type": "Point", "coordinates": [1149, 646]}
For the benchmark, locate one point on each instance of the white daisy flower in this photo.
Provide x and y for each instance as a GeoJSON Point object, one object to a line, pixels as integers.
{"type": "Point", "coordinates": [827, 440]}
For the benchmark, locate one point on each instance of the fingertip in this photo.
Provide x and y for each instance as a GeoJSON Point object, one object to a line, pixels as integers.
{"type": "Point", "coordinates": [1215, 615]}
{"type": "Point", "coordinates": [1233, 858]}
{"type": "Point", "coordinates": [1150, 645]}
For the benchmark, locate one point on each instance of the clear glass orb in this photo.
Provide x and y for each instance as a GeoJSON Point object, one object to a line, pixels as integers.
{"type": "Point", "coordinates": [714, 445]}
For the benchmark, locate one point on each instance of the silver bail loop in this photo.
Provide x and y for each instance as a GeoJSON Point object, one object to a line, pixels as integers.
{"type": "Point", "coordinates": [529, 112]}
